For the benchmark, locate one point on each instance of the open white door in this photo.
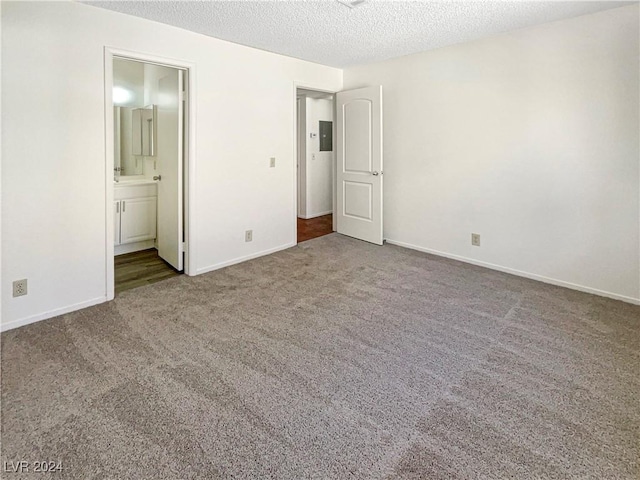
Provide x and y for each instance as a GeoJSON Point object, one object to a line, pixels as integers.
{"type": "Point", "coordinates": [169, 148]}
{"type": "Point", "coordinates": [359, 159]}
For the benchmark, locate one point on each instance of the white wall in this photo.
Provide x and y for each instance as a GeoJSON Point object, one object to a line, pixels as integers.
{"type": "Point", "coordinates": [129, 76]}
{"type": "Point", "coordinates": [529, 139]}
{"type": "Point", "coordinates": [319, 166]}
{"type": "Point", "coordinates": [53, 148]}
{"type": "Point", "coordinates": [152, 75]}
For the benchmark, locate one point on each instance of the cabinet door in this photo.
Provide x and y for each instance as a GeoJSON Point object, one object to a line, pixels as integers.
{"type": "Point", "coordinates": [116, 222]}
{"type": "Point", "coordinates": [137, 219]}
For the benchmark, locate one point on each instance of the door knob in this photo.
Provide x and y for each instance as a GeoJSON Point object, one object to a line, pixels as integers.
{"type": "Point", "coordinates": [375, 174]}
{"type": "Point", "coordinates": [157, 177]}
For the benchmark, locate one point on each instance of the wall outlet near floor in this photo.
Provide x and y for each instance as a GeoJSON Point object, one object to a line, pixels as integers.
{"type": "Point", "coordinates": [272, 162]}
{"type": "Point", "coordinates": [248, 236]}
{"type": "Point", "coordinates": [20, 288]}
{"type": "Point", "coordinates": [475, 239]}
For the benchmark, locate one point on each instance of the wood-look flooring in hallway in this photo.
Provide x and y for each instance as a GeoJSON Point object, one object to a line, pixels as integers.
{"type": "Point", "coordinates": [141, 268]}
{"type": "Point", "coordinates": [314, 227]}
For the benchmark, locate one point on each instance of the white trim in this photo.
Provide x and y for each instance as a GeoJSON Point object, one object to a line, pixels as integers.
{"type": "Point", "coordinates": [519, 273]}
{"type": "Point", "coordinates": [236, 260]}
{"type": "Point", "coordinates": [190, 264]}
{"type": "Point", "coordinates": [109, 189]}
{"type": "Point", "coordinates": [308, 217]}
{"type": "Point", "coordinates": [297, 148]}
{"type": "Point", "coordinates": [50, 314]}
{"type": "Point", "coordinates": [125, 248]}
{"type": "Point", "coordinates": [1, 269]}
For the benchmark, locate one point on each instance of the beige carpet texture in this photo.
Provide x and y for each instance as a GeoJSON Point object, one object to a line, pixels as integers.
{"type": "Point", "coordinates": [335, 359]}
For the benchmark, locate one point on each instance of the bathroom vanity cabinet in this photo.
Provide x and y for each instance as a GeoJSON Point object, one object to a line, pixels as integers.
{"type": "Point", "coordinates": [135, 218]}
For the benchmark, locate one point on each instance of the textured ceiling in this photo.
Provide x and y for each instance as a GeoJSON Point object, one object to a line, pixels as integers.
{"type": "Point", "coordinates": [330, 33]}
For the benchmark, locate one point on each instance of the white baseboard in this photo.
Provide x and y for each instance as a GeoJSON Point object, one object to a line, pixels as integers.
{"type": "Point", "coordinates": [321, 214]}
{"type": "Point", "coordinates": [133, 247]}
{"type": "Point", "coordinates": [228, 263]}
{"type": "Point", "coordinates": [95, 301]}
{"type": "Point", "coordinates": [519, 273]}
{"type": "Point", "coordinates": [50, 314]}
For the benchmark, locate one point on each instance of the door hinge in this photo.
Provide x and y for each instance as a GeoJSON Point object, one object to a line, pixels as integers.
{"type": "Point", "coordinates": [182, 96]}
{"type": "Point", "coordinates": [183, 246]}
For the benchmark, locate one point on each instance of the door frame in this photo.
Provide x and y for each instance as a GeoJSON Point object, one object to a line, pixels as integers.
{"type": "Point", "coordinates": [306, 86]}
{"type": "Point", "coordinates": [298, 155]}
{"type": "Point", "coordinates": [189, 157]}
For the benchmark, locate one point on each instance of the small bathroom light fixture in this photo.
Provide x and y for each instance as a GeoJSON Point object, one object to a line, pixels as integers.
{"type": "Point", "coordinates": [351, 3]}
{"type": "Point", "coordinates": [121, 95]}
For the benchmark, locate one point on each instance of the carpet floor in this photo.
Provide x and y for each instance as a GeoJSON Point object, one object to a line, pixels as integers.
{"type": "Point", "coordinates": [333, 359]}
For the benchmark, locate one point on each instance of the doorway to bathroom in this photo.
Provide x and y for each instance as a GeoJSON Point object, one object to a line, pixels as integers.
{"type": "Point", "coordinates": [147, 103]}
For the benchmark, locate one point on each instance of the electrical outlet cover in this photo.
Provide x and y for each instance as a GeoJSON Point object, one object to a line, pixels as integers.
{"type": "Point", "coordinates": [20, 288]}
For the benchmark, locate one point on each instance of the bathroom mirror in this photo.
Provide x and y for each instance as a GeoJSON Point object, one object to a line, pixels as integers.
{"type": "Point", "coordinates": [144, 124]}
{"type": "Point", "coordinates": [134, 138]}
